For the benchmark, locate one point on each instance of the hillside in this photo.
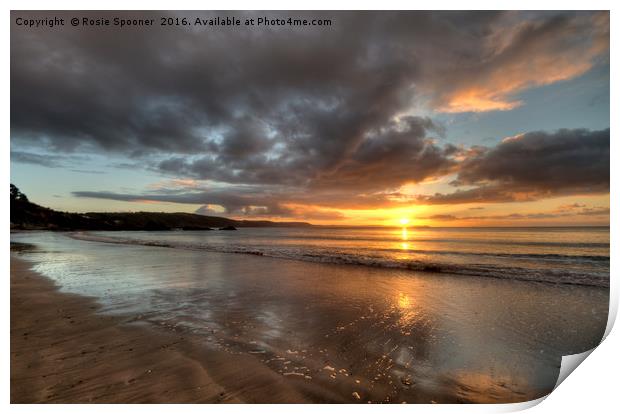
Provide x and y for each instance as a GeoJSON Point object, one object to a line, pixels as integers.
{"type": "Point", "coordinates": [26, 215]}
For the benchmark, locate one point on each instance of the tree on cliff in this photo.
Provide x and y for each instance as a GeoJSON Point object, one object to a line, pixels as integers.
{"type": "Point", "coordinates": [17, 195]}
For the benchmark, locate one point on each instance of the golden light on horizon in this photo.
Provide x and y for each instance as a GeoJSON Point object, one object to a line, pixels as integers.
{"type": "Point", "coordinates": [404, 221]}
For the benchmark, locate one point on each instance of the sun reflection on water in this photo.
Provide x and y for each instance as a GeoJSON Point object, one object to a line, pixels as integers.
{"type": "Point", "coordinates": [403, 301]}
{"type": "Point", "coordinates": [405, 245]}
{"type": "Point", "coordinates": [408, 315]}
{"type": "Point", "coordinates": [404, 236]}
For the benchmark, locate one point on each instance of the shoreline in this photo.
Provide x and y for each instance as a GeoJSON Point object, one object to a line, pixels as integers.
{"type": "Point", "coordinates": [60, 346]}
{"type": "Point", "coordinates": [200, 328]}
{"type": "Point", "coordinates": [429, 267]}
{"type": "Point", "coordinates": [63, 351]}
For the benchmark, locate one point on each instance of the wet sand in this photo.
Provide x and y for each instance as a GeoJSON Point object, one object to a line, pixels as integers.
{"type": "Point", "coordinates": [63, 351]}
{"type": "Point", "coordinates": [173, 325]}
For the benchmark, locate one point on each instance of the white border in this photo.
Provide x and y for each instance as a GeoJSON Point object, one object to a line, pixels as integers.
{"type": "Point", "coordinates": [591, 388]}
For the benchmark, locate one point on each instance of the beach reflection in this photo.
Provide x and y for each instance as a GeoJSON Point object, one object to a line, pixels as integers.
{"type": "Point", "coordinates": [388, 335]}
{"type": "Point", "coordinates": [404, 234]}
{"type": "Point", "coordinates": [408, 314]}
{"type": "Point", "coordinates": [404, 246]}
{"type": "Point", "coordinates": [403, 301]}
{"type": "Point", "coordinates": [480, 387]}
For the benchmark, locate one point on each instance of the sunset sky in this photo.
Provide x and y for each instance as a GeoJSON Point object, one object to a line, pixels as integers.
{"type": "Point", "coordinates": [441, 118]}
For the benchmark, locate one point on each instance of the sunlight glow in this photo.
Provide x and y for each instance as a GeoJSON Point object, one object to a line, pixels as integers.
{"type": "Point", "coordinates": [404, 221]}
{"type": "Point", "coordinates": [404, 302]}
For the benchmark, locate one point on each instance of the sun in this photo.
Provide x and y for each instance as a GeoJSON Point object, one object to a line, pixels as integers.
{"type": "Point", "coordinates": [404, 221]}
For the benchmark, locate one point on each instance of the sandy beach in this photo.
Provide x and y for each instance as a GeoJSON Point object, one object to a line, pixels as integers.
{"type": "Point", "coordinates": [62, 350]}
{"type": "Point", "coordinates": [100, 322]}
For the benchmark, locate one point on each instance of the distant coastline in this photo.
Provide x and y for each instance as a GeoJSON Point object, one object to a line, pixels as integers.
{"type": "Point", "coordinates": [26, 215]}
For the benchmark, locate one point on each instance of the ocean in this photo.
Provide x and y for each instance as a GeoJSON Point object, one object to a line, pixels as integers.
{"type": "Point", "coordinates": [416, 315]}
{"type": "Point", "coordinates": [573, 255]}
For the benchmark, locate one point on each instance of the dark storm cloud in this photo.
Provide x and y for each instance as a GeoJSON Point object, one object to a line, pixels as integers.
{"type": "Point", "coordinates": [310, 115]}
{"type": "Point", "coordinates": [321, 89]}
{"type": "Point", "coordinates": [171, 89]}
{"type": "Point", "coordinates": [247, 106]}
{"type": "Point", "coordinates": [526, 167]}
{"type": "Point", "coordinates": [533, 166]}
{"type": "Point", "coordinates": [390, 156]}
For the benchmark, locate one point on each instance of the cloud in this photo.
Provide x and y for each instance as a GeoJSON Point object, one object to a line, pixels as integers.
{"type": "Point", "coordinates": [532, 166]}
{"type": "Point", "coordinates": [175, 186]}
{"type": "Point", "coordinates": [388, 157]}
{"type": "Point", "coordinates": [525, 54]}
{"type": "Point", "coordinates": [36, 159]}
{"type": "Point", "coordinates": [207, 210]}
{"type": "Point", "coordinates": [178, 90]}
{"type": "Point", "coordinates": [554, 214]}
{"type": "Point", "coordinates": [440, 217]}
{"type": "Point", "coordinates": [526, 167]}
{"type": "Point", "coordinates": [45, 160]}
{"type": "Point", "coordinates": [315, 214]}
{"type": "Point", "coordinates": [242, 200]}
{"type": "Point", "coordinates": [95, 172]}
{"type": "Point", "coordinates": [274, 117]}
{"type": "Point", "coordinates": [570, 207]}
{"type": "Point", "coordinates": [594, 211]}
{"type": "Point", "coordinates": [238, 201]}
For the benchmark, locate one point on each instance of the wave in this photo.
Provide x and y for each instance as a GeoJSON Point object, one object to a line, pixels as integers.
{"type": "Point", "coordinates": [531, 256]}
{"type": "Point", "coordinates": [443, 240]}
{"type": "Point", "coordinates": [463, 241]}
{"type": "Point", "coordinates": [562, 276]}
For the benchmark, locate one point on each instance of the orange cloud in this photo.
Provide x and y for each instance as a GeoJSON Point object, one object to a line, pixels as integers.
{"type": "Point", "coordinates": [494, 93]}
{"type": "Point", "coordinates": [187, 183]}
{"type": "Point", "coordinates": [531, 54]}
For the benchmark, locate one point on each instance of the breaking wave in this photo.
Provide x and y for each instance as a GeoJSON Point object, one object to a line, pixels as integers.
{"type": "Point", "coordinates": [535, 267]}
